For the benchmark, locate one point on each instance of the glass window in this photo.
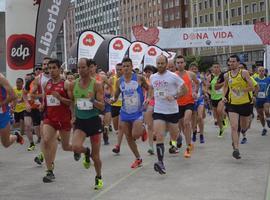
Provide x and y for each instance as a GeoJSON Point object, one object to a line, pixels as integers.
{"type": "Point", "coordinates": [206, 18]}
{"type": "Point", "coordinates": [239, 10]}
{"type": "Point", "coordinates": [262, 6]}
{"type": "Point", "coordinates": [254, 7]}
{"type": "Point", "coordinates": [246, 9]}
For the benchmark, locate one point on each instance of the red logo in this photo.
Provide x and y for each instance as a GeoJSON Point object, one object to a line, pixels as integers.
{"type": "Point", "coordinates": [118, 45]}
{"type": "Point", "coordinates": [149, 36]}
{"type": "Point", "coordinates": [89, 40]}
{"type": "Point", "coordinates": [263, 31]}
{"type": "Point", "coordinates": [152, 52]}
{"type": "Point", "coordinates": [20, 51]}
{"type": "Point", "coordinates": [137, 48]}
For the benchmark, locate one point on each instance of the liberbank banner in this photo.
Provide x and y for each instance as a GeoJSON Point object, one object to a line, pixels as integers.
{"type": "Point", "coordinates": [51, 15]}
{"type": "Point", "coordinates": [204, 36]}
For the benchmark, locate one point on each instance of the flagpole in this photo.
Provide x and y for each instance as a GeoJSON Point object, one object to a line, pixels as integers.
{"type": "Point", "coordinates": [65, 45]}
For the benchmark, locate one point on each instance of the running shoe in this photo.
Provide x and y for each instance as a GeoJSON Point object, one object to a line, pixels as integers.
{"type": "Point", "coordinates": [20, 138]}
{"type": "Point", "coordinates": [202, 139]}
{"type": "Point", "coordinates": [31, 147]}
{"type": "Point", "coordinates": [86, 159]}
{"type": "Point", "coordinates": [187, 153]}
{"type": "Point", "coordinates": [159, 167]}
{"type": "Point", "coordinates": [110, 128]}
{"type": "Point", "coordinates": [49, 177]}
{"type": "Point", "coordinates": [39, 159]}
{"type": "Point", "coordinates": [236, 154]}
{"type": "Point", "coordinates": [179, 141]}
{"type": "Point", "coordinates": [116, 149]}
{"type": "Point", "coordinates": [268, 123]}
{"type": "Point", "coordinates": [144, 136]}
{"type": "Point", "coordinates": [244, 140]}
{"type": "Point", "coordinates": [173, 150]}
{"type": "Point", "coordinates": [264, 131]}
{"type": "Point", "coordinates": [137, 163]}
{"type": "Point", "coordinates": [225, 122]}
{"type": "Point", "coordinates": [98, 183]}
{"type": "Point", "coordinates": [221, 133]}
{"type": "Point", "coordinates": [151, 151]}
{"type": "Point", "coordinates": [191, 147]}
{"type": "Point", "coordinates": [194, 136]}
{"type": "Point", "coordinates": [76, 156]}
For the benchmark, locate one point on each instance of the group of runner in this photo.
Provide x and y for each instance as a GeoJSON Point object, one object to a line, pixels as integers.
{"type": "Point", "coordinates": [166, 98]}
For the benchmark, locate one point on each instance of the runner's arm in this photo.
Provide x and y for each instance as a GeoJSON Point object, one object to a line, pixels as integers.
{"type": "Point", "coordinates": [10, 92]}
{"type": "Point", "coordinates": [225, 87]}
{"type": "Point", "coordinates": [144, 83]}
{"type": "Point", "coordinates": [246, 76]}
{"type": "Point", "coordinates": [98, 102]}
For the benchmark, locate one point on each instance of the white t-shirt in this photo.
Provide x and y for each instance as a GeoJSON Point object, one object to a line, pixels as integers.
{"type": "Point", "coordinates": [166, 84]}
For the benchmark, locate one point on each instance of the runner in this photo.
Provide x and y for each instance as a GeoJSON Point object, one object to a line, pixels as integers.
{"type": "Point", "coordinates": [239, 84]}
{"type": "Point", "coordinates": [166, 87]}
{"type": "Point", "coordinates": [88, 98]}
{"type": "Point", "coordinates": [115, 108]}
{"type": "Point", "coordinates": [56, 104]}
{"type": "Point", "coordinates": [131, 85]}
{"type": "Point", "coordinates": [186, 103]}
{"type": "Point", "coordinates": [6, 96]}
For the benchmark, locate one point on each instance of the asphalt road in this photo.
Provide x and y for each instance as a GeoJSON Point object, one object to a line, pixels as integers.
{"type": "Point", "coordinates": [210, 174]}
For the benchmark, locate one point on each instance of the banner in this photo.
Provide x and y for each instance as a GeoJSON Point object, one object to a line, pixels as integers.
{"type": "Point", "coordinates": [204, 36]}
{"type": "Point", "coordinates": [171, 55]}
{"type": "Point", "coordinates": [20, 30]}
{"type": "Point", "coordinates": [51, 14]}
{"type": "Point", "coordinates": [150, 57]}
{"type": "Point", "coordinates": [136, 52]}
{"type": "Point", "coordinates": [88, 44]}
{"type": "Point", "coordinates": [118, 47]}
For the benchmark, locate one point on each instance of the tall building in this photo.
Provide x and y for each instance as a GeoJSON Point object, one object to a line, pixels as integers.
{"type": "Point", "coordinates": [2, 43]}
{"type": "Point", "coordinates": [70, 26]}
{"type": "Point", "coordinates": [139, 12]}
{"type": "Point", "coordinates": [205, 13]}
{"type": "Point", "coordinates": [98, 15]}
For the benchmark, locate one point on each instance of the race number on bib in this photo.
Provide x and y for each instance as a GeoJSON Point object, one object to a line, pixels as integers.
{"type": "Point", "coordinates": [220, 91]}
{"type": "Point", "coordinates": [161, 93]}
{"type": "Point", "coordinates": [84, 104]}
{"type": "Point", "coordinates": [52, 101]}
{"type": "Point", "coordinates": [261, 95]}
{"type": "Point", "coordinates": [131, 101]}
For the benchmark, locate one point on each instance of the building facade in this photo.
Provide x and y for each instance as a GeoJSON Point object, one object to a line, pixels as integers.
{"type": "Point", "coordinates": [98, 15]}
{"type": "Point", "coordinates": [70, 27]}
{"type": "Point", "coordinates": [139, 12]}
{"type": "Point", "coordinates": [205, 13]}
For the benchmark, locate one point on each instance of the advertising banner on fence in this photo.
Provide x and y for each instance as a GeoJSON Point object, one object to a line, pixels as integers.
{"type": "Point", "coordinates": [151, 55]}
{"type": "Point", "coordinates": [136, 52]}
{"type": "Point", "coordinates": [20, 30]}
{"type": "Point", "coordinates": [51, 14]}
{"type": "Point", "coordinates": [118, 47]}
{"type": "Point", "coordinates": [88, 44]}
{"type": "Point", "coordinates": [204, 36]}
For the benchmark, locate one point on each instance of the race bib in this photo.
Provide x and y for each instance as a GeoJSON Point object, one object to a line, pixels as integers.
{"type": "Point", "coordinates": [131, 101]}
{"type": "Point", "coordinates": [29, 97]}
{"type": "Point", "coordinates": [161, 93]}
{"type": "Point", "coordinates": [52, 101]}
{"type": "Point", "coordinates": [220, 91]}
{"type": "Point", "coordinates": [37, 102]}
{"type": "Point", "coordinates": [261, 95]}
{"type": "Point", "coordinates": [84, 104]}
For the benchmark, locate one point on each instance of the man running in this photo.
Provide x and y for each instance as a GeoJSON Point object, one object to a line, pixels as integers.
{"type": "Point", "coordinates": [131, 85]}
{"type": "Point", "coordinates": [239, 84]}
{"type": "Point", "coordinates": [166, 87]}
{"type": "Point", "coordinates": [6, 96]}
{"type": "Point", "coordinates": [88, 98]}
{"type": "Point", "coordinates": [57, 117]}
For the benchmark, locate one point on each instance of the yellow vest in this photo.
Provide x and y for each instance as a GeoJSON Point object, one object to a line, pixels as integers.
{"type": "Point", "coordinates": [118, 103]}
{"type": "Point", "coordinates": [20, 105]}
{"type": "Point", "coordinates": [236, 85]}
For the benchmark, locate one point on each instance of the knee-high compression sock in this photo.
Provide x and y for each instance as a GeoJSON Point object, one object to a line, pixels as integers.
{"type": "Point", "coordinates": [160, 151]}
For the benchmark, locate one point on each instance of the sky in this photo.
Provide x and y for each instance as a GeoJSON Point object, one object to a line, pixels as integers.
{"type": "Point", "coordinates": [2, 5]}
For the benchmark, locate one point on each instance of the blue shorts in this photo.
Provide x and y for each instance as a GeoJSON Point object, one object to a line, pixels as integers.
{"type": "Point", "coordinates": [107, 108]}
{"type": "Point", "coordinates": [4, 119]}
{"type": "Point", "coordinates": [125, 117]}
{"type": "Point", "coordinates": [198, 103]}
{"type": "Point", "coordinates": [260, 103]}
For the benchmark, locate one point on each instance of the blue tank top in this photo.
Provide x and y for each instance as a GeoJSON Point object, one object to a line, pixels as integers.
{"type": "Point", "coordinates": [264, 88]}
{"type": "Point", "coordinates": [132, 98]}
{"type": "Point", "coordinates": [3, 96]}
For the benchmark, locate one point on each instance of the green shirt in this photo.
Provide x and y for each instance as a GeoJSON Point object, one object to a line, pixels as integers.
{"type": "Point", "coordinates": [215, 94]}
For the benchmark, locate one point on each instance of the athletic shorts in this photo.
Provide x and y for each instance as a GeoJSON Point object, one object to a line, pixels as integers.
{"type": "Point", "coordinates": [18, 116]}
{"type": "Point", "coordinates": [243, 110]}
{"type": "Point", "coordinates": [215, 103]}
{"type": "Point", "coordinates": [4, 119]}
{"type": "Point", "coordinates": [130, 118]}
{"type": "Point", "coordinates": [58, 125]}
{"type": "Point", "coordinates": [90, 127]}
{"type": "Point", "coordinates": [182, 109]}
{"type": "Point", "coordinates": [35, 115]}
{"type": "Point", "coordinates": [170, 118]}
{"type": "Point", "coordinates": [259, 103]}
{"type": "Point", "coordinates": [115, 110]}
{"type": "Point", "coordinates": [107, 108]}
{"type": "Point", "coordinates": [198, 103]}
